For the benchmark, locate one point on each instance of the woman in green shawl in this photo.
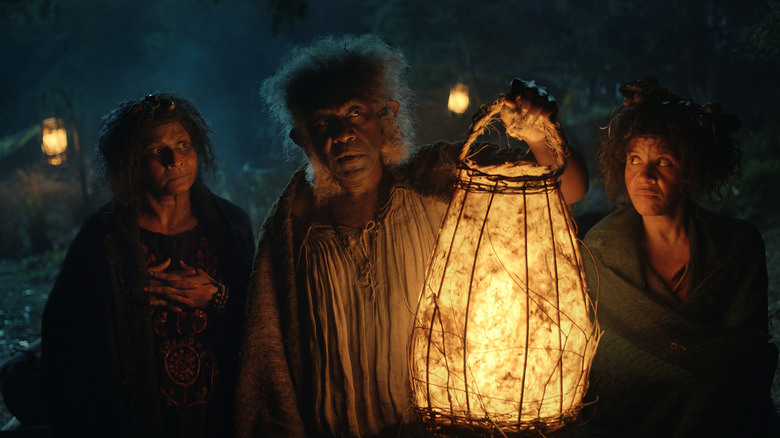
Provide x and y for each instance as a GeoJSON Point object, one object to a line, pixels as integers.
{"type": "Point", "coordinates": [682, 292]}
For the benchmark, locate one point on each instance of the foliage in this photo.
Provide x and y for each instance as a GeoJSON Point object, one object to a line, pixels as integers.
{"type": "Point", "coordinates": [254, 189]}
{"type": "Point", "coordinates": [12, 143]}
{"type": "Point", "coordinates": [285, 12]}
{"type": "Point", "coordinates": [25, 285]}
{"type": "Point", "coordinates": [755, 196]}
{"type": "Point", "coordinates": [762, 39]}
{"type": "Point", "coordinates": [580, 52]}
{"type": "Point", "coordinates": [41, 210]}
{"type": "Point", "coordinates": [269, 184]}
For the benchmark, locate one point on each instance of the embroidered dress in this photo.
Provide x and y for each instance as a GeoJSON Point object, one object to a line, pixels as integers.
{"type": "Point", "coordinates": [100, 350]}
{"type": "Point", "coordinates": [186, 367]}
{"type": "Point", "coordinates": [363, 287]}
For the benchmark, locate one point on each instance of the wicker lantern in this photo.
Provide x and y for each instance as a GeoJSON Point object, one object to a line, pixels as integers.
{"type": "Point", "coordinates": [504, 331]}
{"type": "Point", "coordinates": [458, 101]}
{"type": "Point", "coordinates": [54, 141]}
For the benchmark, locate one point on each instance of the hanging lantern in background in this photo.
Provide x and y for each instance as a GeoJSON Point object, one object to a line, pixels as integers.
{"type": "Point", "coordinates": [504, 331]}
{"type": "Point", "coordinates": [458, 102]}
{"type": "Point", "coordinates": [54, 141]}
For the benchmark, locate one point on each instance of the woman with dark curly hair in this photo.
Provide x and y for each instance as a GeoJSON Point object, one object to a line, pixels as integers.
{"type": "Point", "coordinates": [682, 292]}
{"type": "Point", "coordinates": [140, 331]}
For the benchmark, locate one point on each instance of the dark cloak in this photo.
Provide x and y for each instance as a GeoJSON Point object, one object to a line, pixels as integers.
{"type": "Point", "coordinates": [98, 361]}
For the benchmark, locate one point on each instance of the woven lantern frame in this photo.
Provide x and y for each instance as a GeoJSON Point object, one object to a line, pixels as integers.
{"type": "Point", "coordinates": [505, 331]}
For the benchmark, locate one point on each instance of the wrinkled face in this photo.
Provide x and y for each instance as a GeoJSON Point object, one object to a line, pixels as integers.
{"type": "Point", "coordinates": [347, 138]}
{"type": "Point", "coordinates": [171, 161]}
{"type": "Point", "coordinates": [653, 177]}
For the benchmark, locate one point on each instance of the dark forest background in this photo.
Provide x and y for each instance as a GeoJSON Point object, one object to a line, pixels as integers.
{"type": "Point", "coordinates": [76, 59]}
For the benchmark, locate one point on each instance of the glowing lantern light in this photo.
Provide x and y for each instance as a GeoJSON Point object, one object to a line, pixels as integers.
{"type": "Point", "coordinates": [505, 332]}
{"type": "Point", "coordinates": [458, 102]}
{"type": "Point", "coordinates": [54, 141]}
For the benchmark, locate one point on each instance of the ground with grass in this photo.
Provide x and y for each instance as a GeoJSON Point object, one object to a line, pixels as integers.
{"type": "Point", "coordinates": [24, 286]}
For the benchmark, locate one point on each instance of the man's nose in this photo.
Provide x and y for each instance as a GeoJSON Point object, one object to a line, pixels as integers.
{"type": "Point", "coordinates": [341, 131]}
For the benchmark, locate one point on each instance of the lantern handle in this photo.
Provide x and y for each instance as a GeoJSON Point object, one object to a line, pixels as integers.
{"type": "Point", "coordinates": [555, 139]}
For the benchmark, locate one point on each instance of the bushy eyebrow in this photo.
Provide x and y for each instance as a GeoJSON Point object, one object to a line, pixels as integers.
{"type": "Point", "coordinates": [344, 108]}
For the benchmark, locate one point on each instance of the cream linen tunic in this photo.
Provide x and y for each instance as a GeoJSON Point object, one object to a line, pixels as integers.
{"type": "Point", "coordinates": [363, 287]}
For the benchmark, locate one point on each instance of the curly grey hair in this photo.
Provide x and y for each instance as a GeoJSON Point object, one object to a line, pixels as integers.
{"type": "Point", "coordinates": [329, 72]}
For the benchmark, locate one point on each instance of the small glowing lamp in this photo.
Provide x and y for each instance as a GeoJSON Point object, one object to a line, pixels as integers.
{"type": "Point", "coordinates": [458, 102]}
{"type": "Point", "coordinates": [54, 141]}
{"type": "Point", "coordinates": [505, 331]}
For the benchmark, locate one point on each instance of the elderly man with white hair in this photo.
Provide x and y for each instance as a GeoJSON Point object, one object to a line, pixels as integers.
{"type": "Point", "coordinates": [342, 256]}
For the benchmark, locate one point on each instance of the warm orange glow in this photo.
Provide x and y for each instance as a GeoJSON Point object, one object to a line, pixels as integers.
{"type": "Point", "coordinates": [54, 140]}
{"type": "Point", "coordinates": [505, 331]}
{"type": "Point", "coordinates": [458, 102]}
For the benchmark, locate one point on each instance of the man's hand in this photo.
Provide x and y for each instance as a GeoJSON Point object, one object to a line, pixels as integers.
{"type": "Point", "coordinates": [526, 109]}
{"type": "Point", "coordinates": [531, 114]}
{"type": "Point", "coordinates": [188, 288]}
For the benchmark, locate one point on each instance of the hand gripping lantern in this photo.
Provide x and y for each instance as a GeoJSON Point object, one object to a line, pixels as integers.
{"type": "Point", "coordinates": [504, 331]}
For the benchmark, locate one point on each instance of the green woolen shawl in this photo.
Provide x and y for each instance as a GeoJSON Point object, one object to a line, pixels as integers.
{"type": "Point", "coordinates": [698, 368]}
